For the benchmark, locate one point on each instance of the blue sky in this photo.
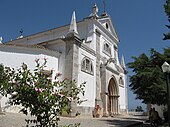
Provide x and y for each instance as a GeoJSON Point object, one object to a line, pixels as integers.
{"type": "Point", "coordinates": [140, 24]}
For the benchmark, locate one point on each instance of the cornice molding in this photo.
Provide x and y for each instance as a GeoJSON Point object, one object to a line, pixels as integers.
{"type": "Point", "coordinates": [112, 70]}
{"type": "Point", "coordinates": [27, 48]}
{"type": "Point", "coordinates": [89, 50]}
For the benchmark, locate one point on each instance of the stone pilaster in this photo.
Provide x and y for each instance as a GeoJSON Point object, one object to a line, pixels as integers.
{"type": "Point", "coordinates": [98, 100]}
{"type": "Point", "coordinates": [105, 108]}
{"type": "Point", "coordinates": [68, 59]}
{"type": "Point", "coordinates": [71, 58]}
{"type": "Point", "coordinates": [71, 64]}
{"type": "Point", "coordinates": [104, 94]}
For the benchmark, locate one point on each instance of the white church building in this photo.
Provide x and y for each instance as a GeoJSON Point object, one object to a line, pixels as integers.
{"type": "Point", "coordinates": [84, 51]}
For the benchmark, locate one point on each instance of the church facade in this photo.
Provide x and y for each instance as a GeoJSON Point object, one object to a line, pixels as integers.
{"type": "Point", "coordinates": [84, 51]}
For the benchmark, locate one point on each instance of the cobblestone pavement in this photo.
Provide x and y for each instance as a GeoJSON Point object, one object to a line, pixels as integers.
{"type": "Point", "coordinates": [18, 120]}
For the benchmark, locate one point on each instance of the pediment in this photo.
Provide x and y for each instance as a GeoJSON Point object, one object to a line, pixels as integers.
{"type": "Point", "coordinates": [108, 25]}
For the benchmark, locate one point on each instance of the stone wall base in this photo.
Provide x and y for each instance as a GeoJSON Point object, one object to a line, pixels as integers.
{"type": "Point", "coordinates": [85, 111]}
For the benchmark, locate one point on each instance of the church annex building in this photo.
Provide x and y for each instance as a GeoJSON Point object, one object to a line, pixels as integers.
{"type": "Point", "coordinates": [84, 51]}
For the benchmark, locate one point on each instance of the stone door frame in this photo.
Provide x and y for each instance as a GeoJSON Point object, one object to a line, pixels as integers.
{"type": "Point", "coordinates": [112, 97]}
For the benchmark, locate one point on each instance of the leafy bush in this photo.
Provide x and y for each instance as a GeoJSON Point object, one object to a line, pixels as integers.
{"type": "Point", "coordinates": [38, 94]}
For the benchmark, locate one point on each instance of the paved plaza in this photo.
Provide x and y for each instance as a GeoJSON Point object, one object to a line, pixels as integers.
{"type": "Point", "coordinates": [18, 120]}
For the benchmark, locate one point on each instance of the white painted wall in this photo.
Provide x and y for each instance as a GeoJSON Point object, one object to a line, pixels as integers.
{"type": "Point", "coordinates": [90, 86]}
{"type": "Point", "coordinates": [14, 56]}
{"type": "Point", "coordinates": [122, 101]}
{"type": "Point", "coordinates": [160, 109]}
{"type": "Point", "coordinates": [59, 47]}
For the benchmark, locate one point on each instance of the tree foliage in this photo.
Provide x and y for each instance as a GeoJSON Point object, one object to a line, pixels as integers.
{"type": "Point", "coordinates": [167, 11]}
{"type": "Point", "coordinates": [139, 109]}
{"type": "Point", "coordinates": [148, 81]}
{"type": "Point", "coordinates": [38, 94]}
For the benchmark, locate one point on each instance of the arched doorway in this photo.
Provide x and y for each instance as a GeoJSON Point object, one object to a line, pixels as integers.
{"type": "Point", "coordinates": [112, 104]}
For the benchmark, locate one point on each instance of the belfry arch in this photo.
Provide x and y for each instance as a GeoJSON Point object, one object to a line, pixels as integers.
{"type": "Point", "coordinates": [113, 95]}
